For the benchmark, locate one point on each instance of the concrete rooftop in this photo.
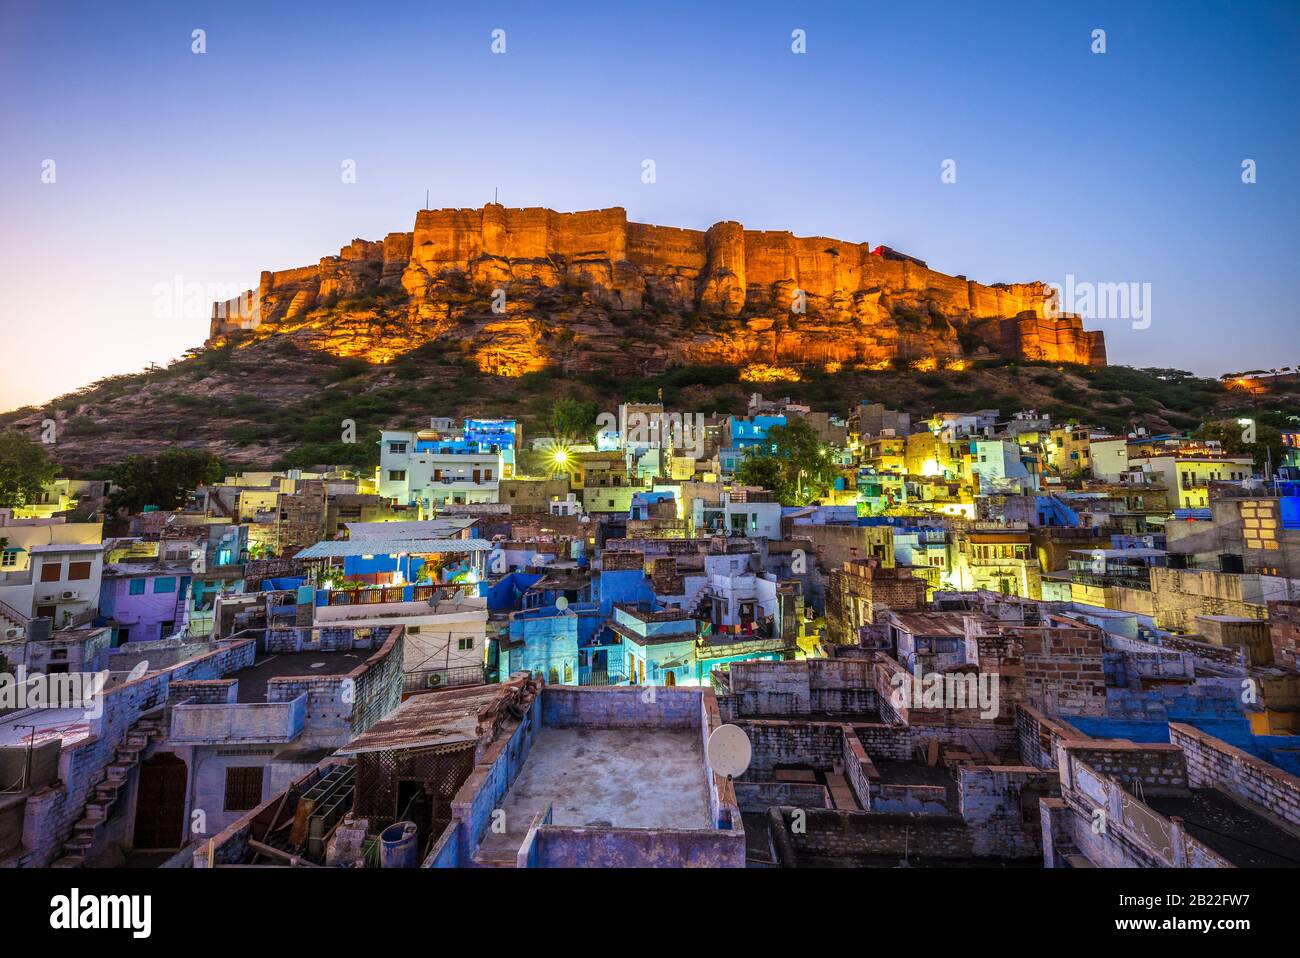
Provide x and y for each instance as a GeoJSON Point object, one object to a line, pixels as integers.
{"type": "Point", "coordinates": [620, 778]}
{"type": "Point", "coordinates": [253, 680]}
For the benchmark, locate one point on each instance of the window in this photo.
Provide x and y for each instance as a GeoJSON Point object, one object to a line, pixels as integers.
{"type": "Point", "coordinates": [52, 572]}
{"type": "Point", "coordinates": [9, 558]}
{"type": "Point", "coordinates": [397, 447]}
{"type": "Point", "coordinates": [164, 584]}
{"type": "Point", "coordinates": [396, 475]}
{"type": "Point", "coordinates": [243, 787]}
{"type": "Point", "coordinates": [465, 645]}
{"type": "Point", "coordinates": [78, 571]}
{"type": "Point", "coordinates": [137, 587]}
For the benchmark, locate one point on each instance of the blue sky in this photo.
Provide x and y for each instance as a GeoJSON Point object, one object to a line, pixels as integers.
{"type": "Point", "coordinates": [1115, 167]}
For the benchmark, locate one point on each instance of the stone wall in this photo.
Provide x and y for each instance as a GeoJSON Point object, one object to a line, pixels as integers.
{"type": "Point", "coordinates": [53, 810]}
{"type": "Point", "coordinates": [1284, 632]}
{"type": "Point", "coordinates": [721, 271]}
{"type": "Point", "coordinates": [1000, 806]}
{"type": "Point", "coordinates": [864, 837]}
{"type": "Point", "coordinates": [341, 707]}
{"type": "Point", "coordinates": [1212, 763]}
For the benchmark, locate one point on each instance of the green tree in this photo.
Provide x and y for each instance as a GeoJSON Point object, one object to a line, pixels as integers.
{"type": "Point", "coordinates": [164, 480]}
{"type": "Point", "coordinates": [1268, 445]}
{"type": "Point", "coordinates": [793, 464]}
{"type": "Point", "coordinates": [24, 469]}
{"type": "Point", "coordinates": [574, 418]}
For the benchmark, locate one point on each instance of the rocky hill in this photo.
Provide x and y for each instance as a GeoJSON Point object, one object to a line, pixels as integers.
{"type": "Point", "coordinates": [273, 402]}
{"type": "Point", "coordinates": [532, 289]}
{"type": "Point", "coordinates": [500, 312]}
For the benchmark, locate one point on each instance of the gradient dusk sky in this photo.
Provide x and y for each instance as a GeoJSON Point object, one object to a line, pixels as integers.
{"type": "Point", "coordinates": [1115, 167]}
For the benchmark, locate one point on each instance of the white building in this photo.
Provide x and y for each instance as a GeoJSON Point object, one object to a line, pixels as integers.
{"type": "Point", "coordinates": [423, 469]}
{"type": "Point", "coordinates": [754, 519]}
{"type": "Point", "coordinates": [49, 569]}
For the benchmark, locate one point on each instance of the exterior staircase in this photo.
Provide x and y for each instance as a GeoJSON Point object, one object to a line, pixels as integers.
{"type": "Point", "coordinates": [11, 618]}
{"type": "Point", "coordinates": [106, 793]}
{"type": "Point", "coordinates": [496, 858]}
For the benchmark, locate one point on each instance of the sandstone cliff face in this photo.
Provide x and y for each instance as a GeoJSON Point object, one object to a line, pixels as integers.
{"type": "Point", "coordinates": [591, 289]}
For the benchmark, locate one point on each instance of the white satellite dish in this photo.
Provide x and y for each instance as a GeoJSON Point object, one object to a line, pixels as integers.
{"type": "Point", "coordinates": [561, 603]}
{"type": "Point", "coordinates": [139, 671]}
{"type": "Point", "coordinates": [729, 751]}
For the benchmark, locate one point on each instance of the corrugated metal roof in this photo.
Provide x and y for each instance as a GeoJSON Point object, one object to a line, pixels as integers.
{"type": "Point", "coordinates": [376, 545]}
{"type": "Point", "coordinates": [409, 529]}
{"type": "Point", "coordinates": [429, 719]}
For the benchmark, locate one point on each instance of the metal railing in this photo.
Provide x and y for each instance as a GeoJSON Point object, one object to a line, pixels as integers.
{"type": "Point", "coordinates": [426, 679]}
{"type": "Point", "coordinates": [600, 677]}
{"type": "Point", "coordinates": [393, 593]}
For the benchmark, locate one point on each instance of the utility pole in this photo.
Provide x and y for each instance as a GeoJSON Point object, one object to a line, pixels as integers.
{"type": "Point", "coordinates": [31, 744]}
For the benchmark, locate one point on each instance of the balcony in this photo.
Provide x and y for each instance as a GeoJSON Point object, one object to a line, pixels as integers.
{"type": "Point", "coordinates": [426, 679]}
{"type": "Point", "coordinates": [236, 723]}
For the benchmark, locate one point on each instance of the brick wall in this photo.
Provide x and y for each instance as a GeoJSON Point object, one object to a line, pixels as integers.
{"type": "Point", "coordinates": [844, 836]}
{"type": "Point", "coordinates": [1000, 806]}
{"type": "Point", "coordinates": [1141, 769]}
{"type": "Point", "coordinates": [565, 706]}
{"type": "Point", "coordinates": [1063, 669]}
{"type": "Point", "coordinates": [203, 691]}
{"type": "Point", "coordinates": [811, 686]}
{"type": "Point", "coordinates": [340, 707]}
{"type": "Point", "coordinates": [1284, 632]}
{"type": "Point", "coordinates": [760, 796]}
{"type": "Point", "coordinates": [1039, 736]}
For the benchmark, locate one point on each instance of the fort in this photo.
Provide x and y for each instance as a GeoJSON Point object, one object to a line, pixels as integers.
{"type": "Point", "coordinates": [824, 299]}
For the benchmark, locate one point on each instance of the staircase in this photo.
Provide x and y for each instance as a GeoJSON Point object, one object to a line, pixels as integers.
{"type": "Point", "coordinates": [11, 618]}
{"type": "Point", "coordinates": [105, 794]}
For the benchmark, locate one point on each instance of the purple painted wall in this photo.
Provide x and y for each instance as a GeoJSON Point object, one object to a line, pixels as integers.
{"type": "Point", "coordinates": [142, 614]}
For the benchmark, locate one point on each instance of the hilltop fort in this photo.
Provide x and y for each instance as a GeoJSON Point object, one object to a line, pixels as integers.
{"type": "Point", "coordinates": [575, 287]}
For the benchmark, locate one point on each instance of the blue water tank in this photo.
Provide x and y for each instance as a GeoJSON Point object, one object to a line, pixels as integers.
{"type": "Point", "coordinates": [397, 846]}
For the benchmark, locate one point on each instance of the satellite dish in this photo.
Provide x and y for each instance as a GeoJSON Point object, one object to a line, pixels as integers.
{"type": "Point", "coordinates": [561, 603]}
{"type": "Point", "coordinates": [138, 672]}
{"type": "Point", "coordinates": [729, 751]}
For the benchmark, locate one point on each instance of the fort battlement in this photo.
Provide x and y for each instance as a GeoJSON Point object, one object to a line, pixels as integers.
{"type": "Point", "coordinates": [723, 271]}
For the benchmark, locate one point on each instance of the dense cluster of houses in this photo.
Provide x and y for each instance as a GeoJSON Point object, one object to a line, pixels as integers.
{"type": "Point", "coordinates": [984, 633]}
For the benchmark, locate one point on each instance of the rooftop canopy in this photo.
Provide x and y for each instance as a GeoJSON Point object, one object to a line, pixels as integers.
{"type": "Point", "coordinates": [376, 545]}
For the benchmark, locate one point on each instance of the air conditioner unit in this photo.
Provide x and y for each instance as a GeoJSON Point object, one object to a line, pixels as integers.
{"type": "Point", "coordinates": [67, 594]}
{"type": "Point", "coordinates": [14, 633]}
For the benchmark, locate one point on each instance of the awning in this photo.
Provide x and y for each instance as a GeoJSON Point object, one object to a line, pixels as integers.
{"type": "Point", "coordinates": [342, 548]}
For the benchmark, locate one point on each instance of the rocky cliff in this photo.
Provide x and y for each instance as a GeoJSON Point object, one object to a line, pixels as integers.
{"type": "Point", "coordinates": [520, 290]}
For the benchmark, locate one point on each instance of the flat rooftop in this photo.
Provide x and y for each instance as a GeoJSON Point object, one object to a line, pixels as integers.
{"type": "Point", "coordinates": [1245, 838]}
{"type": "Point", "coordinates": [253, 680]}
{"type": "Point", "coordinates": [914, 773]}
{"type": "Point", "coordinates": [611, 778]}
{"type": "Point", "coordinates": [66, 724]}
